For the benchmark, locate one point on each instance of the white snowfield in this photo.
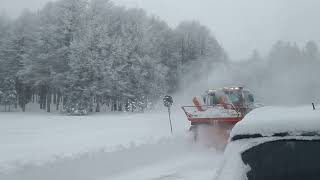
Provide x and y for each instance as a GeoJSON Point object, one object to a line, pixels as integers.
{"type": "Point", "coordinates": [268, 121]}
{"type": "Point", "coordinates": [42, 146]}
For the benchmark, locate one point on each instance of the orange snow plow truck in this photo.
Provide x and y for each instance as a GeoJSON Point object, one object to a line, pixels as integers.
{"type": "Point", "coordinates": [218, 110]}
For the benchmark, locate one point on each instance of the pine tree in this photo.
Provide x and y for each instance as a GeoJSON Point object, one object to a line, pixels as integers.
{"type": "Point", "coordinates": [85, 54]}
{"type": "Point", "coordinates": [8, 94]}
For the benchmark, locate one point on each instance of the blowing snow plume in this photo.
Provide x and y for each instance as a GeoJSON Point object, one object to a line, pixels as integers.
{"type": "Point", "coordinates": [288, 75]}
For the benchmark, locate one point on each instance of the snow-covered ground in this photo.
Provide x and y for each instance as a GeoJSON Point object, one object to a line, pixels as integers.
{"type": "Point", "coordinates": [43, 146]}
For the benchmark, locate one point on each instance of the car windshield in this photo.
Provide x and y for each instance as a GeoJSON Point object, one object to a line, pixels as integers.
{"type": "Point", "coordinates": [285, 159]}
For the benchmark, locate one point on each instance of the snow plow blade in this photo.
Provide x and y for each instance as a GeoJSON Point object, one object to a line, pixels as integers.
{"type": "Point", "coordinates": [195, 117]}
{"type": "Point", "coordinates": [210, 128]}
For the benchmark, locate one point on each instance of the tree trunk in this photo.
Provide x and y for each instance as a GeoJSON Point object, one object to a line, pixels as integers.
{"type": "Point", "coordinates": [64, 100]}
{"type": "Point", "coordinates": [120, 106]}
{"type": "Point", "coordinates": [114, 105]}
{"type": "Point", "coordinates": [126, 106]}
{"type": "Point", "coordinates": [48, 102]}
{"type": "Point", "coordinates": [110, 105]}
{"type": "Point", "coordinates": [40, 101]}
{"type": "Point", "coordinates": [54, 98]}
{"type": "Point", "coordinates": [43, 97]}
{"type": "Point", "coordinates": [58, 101]}
{"type": "Point", "coordinates": [44, 105]}
{"type": "Point", "coordinates": [23, 101]}
{"type": "Point", "coordinates": [91, 105]}
{"type": "Point", "coordinates": [98, 103]}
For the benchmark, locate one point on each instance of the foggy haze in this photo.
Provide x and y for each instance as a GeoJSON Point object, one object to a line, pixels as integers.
{"type": "Point", "coordinates": [240, 26]}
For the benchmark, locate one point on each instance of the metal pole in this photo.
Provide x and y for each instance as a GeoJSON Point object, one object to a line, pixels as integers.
{"type": "Point", "coordinates": [170, 119]}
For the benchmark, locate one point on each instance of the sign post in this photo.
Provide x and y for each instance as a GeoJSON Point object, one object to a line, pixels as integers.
{"type": "Point", "coordinates": [167, 102]}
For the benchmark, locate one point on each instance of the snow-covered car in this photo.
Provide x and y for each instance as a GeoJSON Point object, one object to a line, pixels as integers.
{"type": "Point", "coordinates": [274, 143]}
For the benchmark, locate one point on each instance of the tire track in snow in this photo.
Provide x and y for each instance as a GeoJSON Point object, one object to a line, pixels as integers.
{"type": "Point", "coordinates": [101, 165]}
{"type": "Point", "coordinates": [196, 163]}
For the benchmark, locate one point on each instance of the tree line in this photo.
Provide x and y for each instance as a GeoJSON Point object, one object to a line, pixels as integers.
{"type": "Point", "coordinates": [287, 75]}
{"type": "Point", "coordinates": [81, 55]}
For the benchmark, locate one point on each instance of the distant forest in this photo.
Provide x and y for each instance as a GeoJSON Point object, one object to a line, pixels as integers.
{"type": "Point", "coordinates": [288, 75]}
{"type": "Point", "coordinates": [80, 55]}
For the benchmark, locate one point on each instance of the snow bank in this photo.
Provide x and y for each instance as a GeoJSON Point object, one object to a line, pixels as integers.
{"type": "Point", "coordinates": [39, 138]}
{"type": "Point", "coordinates": [102, 146]}
{"type": "Point", "coordinates": [268, 121]}
{"type": "Point", "coordinates": [95, 165]}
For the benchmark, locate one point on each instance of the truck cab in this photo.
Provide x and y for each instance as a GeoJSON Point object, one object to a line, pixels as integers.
{"type": "Point", "coordinates": [240, 98]}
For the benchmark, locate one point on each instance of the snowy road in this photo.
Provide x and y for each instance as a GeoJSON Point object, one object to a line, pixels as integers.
{"type": "Point", "coordinates": [147, 162]}
{"type": "Point", "coordinates": [100, 147]}
{"type": "Point", "coordinates": [189, 166]}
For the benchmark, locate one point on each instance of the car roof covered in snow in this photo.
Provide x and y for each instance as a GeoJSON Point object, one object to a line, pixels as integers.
{"type": "Point", "coordinates": [279, 122]}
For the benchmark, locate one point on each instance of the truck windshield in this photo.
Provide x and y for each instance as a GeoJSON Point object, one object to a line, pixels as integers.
{"type": "Point", "coordinates": [212, 100]}
{"type": "Point", "coordinates": [285, 159]}
{"type": "Point", "coordinates": [233, 97]}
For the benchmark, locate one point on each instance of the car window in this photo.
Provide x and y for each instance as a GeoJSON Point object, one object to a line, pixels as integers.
{"type": "Point", "coordinates": [285, 159]}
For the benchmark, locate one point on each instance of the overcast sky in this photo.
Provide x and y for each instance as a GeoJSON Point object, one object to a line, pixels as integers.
{"type": "Point", "coordinates": [239, 25]}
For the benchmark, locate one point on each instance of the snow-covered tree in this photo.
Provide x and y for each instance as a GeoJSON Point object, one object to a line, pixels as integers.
{"type": "Point", "coordinates": [85, 54]}
{"type": "Point", "coordinates": [8, 94]}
